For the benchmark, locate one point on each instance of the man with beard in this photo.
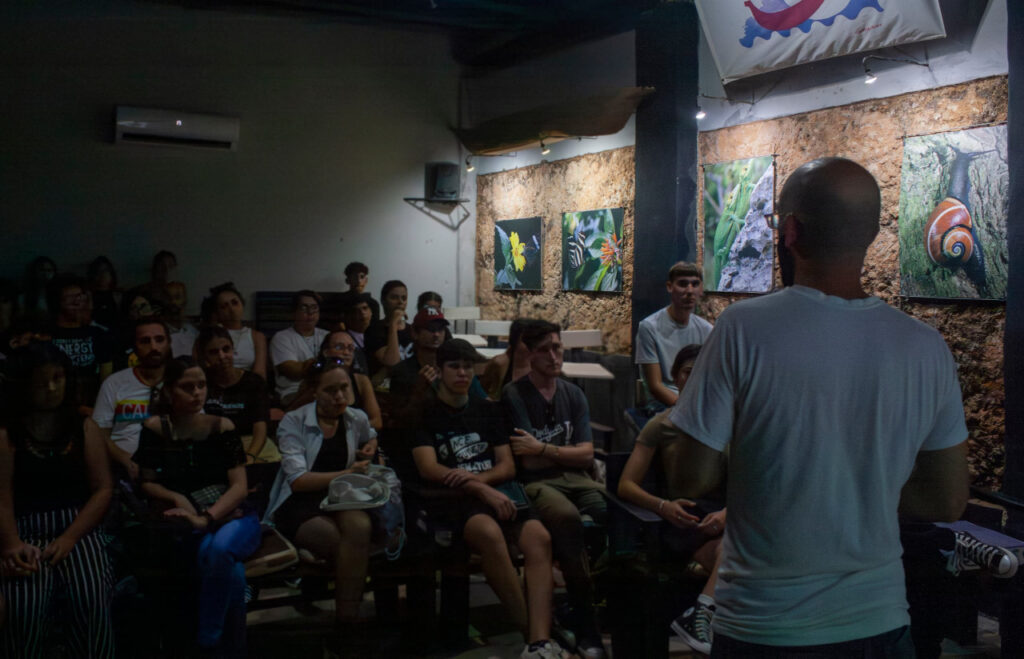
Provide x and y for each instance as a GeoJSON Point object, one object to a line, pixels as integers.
{"type": "Point", "coordinates": [420, 371]}
{"type": "Point", "coordinates": [661, 336]}
{"type": "Point", "coordinates": [123, 402]}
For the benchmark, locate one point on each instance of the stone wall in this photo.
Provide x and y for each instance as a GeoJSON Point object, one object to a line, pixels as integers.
{"type": "Point", "coordinates": [870, 132]}
{"type": "Point", "coordinates": [593, 181]}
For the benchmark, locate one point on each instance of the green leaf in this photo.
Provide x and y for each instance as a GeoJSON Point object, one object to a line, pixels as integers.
{"type": "Point", "coordinates": [610, 282]}
{"type": "Point", "coordinates": [594, 283]}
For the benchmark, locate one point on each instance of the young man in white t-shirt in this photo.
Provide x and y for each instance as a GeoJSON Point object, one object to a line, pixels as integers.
{"type": "Point", "coordinates": [293, 350]}
{"type": "Point", "coordinates": [661, 336]}
{"type": "Point", "coordinates": [123, 402]}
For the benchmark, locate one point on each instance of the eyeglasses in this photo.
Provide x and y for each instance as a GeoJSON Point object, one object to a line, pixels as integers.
{"type": "Point", "coordinates": [308, 308]}
{"type": "Point", "coordinates": [343, 347]}
{"type": "Point", "coordinates": [324, 362]}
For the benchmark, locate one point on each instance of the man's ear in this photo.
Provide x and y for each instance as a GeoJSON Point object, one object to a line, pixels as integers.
{"type": "Point", "coordinates": [791, 233]}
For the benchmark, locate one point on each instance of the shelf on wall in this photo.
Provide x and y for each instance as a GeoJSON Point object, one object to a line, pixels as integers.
{"type": "Point", "coordinates": [440, 210]}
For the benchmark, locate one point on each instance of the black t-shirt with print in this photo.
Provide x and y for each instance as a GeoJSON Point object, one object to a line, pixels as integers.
{"type": "Point", "coordinates": [244, 402]}
{"type": "Point", "coordinates": [463, 438]}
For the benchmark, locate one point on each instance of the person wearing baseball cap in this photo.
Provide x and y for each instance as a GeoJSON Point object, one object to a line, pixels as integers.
{"type": "Point", "coordinates": [419, 371]}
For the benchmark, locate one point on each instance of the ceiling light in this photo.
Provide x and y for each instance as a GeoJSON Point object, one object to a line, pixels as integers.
{"type": "Point", "coordinates": [869, 78]}
{"type": "Point", "coordinates": [469, 163]}
{"type": "Point", "coordinates": [700, 113]}
{"type": "Point", "coordinates": [544, 150]}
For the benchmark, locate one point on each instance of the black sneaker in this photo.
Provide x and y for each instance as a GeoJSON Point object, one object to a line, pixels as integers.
{"type": "Point", "coordinates": [973, 554]}
{"type": "Point", "coordinates": [694, 627]}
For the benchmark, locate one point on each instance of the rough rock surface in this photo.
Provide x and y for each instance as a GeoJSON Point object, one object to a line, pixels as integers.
{"type": "Point", "coordinates": [750, 263]}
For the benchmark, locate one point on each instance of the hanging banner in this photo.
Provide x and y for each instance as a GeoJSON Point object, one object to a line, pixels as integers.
{"type": "Point", "coordinates": [748, 37]}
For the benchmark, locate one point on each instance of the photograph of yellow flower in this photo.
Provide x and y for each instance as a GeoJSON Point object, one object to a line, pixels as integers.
{"type": "Point", "coordinates": [517, 254]}
{"type": "Point", "coordinates": [592, 250]}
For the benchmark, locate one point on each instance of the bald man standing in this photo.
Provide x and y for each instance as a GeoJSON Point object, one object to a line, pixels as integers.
{"type": "Point", "coordinates": [841, 414]}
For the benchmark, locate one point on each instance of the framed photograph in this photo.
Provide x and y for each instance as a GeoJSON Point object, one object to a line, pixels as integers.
{"type": "Point", "coordinates": [592, 250]}
{"type": "Point", "coordinates": [954, 200]}
{"type": "Point", "coordinates": [738, 238]}
{"type": "Point", "coordinates": [517, 254]}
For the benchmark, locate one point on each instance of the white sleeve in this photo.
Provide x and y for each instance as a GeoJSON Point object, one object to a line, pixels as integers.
{"type": "Point", "coordinates": [291, 446]}
{"type": "Point", "coordinates": [949, 428]}
{"type": "Point", "coordinates": [103, 410]}
{"type": "Point", "coordinates": [706, 406]}
{"type": "Point", "coordinates": [282, 349]}
{"type": "Point", "coordinates": [646, 347]}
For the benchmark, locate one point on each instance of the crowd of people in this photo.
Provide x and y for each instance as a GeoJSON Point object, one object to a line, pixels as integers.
{"type": "Point", "coordinates": [114, 395]}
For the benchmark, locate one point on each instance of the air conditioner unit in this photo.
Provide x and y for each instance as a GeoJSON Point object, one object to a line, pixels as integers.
{"type": "Point", "coordinates": [170, 127]}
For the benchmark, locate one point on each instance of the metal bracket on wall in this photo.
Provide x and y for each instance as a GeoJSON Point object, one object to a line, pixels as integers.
{"type": "Point", "coordinates": [441, 211]}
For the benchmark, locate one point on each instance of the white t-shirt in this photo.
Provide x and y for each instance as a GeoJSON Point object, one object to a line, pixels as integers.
{"type": "Point", "coordinates": [183, 339]}
{"type": "Point", "coordinates": [824, 403]}
{"type": "Point", "coordinates": [659, 339]}
{"type": "Point", "coordinates": [288, 345]}
{"type": "Point", "coordinates": [122, 405]}
{"type": "Point", "coordinates": [245, 348]}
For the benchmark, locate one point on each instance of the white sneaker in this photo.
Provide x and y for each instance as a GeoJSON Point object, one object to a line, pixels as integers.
{"type": "Point", "coordinates": [544, 650]}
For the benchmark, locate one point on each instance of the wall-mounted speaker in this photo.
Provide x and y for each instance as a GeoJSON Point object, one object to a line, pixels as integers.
{"type": "Point", "coordinates": [441, 181]}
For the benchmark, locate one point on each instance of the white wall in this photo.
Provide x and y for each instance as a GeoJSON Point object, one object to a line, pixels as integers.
{"type": "Point", "coordinates": [974, 47]}
{"type": "Point", "coordinates": [336, 124]}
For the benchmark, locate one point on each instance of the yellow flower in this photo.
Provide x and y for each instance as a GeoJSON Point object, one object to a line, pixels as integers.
{"type": "Point", "coordinates": [517, 251]}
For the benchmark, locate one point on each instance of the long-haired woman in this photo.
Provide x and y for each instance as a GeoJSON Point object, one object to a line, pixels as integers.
{"type": "Point", "coordinates": [194, 464]}
{"type": "Point", "coordinates": [54, 490]}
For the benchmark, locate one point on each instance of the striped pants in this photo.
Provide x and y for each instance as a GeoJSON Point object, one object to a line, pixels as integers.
{"type": "Point", "coordinates": [84, 579]}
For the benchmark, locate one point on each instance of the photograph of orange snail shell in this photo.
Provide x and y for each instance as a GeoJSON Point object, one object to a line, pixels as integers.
{"type": "Point", "coordinates": [954, 194]}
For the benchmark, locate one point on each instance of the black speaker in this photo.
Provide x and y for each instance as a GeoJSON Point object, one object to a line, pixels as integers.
{"type": "Point", "coordinates": [441, 181]}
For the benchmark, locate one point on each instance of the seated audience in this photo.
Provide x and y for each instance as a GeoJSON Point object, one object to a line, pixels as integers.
{"type": "Point", "coordinates": [419, 371]}
{"type": "Point", "coordinates": [227, 309]}
{"type": "Point", "coordinates": [193, 464]}
{"type": "Point", "coordinates": [136, 307]}
{"type": "Point", "coordinates": [358, 316]}
{"type": "Point", "coordinates": [106, 297]}
{"type": "Point", "coordinates": [429, 299]}
{"type": "Point", "coordinates": [235, 393]}
{"type": "Point", "coordinates": [554, 451]}
{"type": "Point", "coordinates": [88, 346]}
{"type": "Point", "coordinates": [510, 365]}
{"type": "Point", "coordinates": [163, 270]}
{"type": "Point", "coordinates": [183, 333]}
{"type": "Point", "coordinates": [460, 446]}
{"type": "Point", "coordinates": [123, 402]}
{"type": "Point", "coordinates": [293, 350]}
{"type": "Point", "coordinates": [33, 298]}
{"type": "Point", "coordinates": [357, 276]}
{"type": "Point", "coordinates": [665, 332]}
{"type": "Point", "coordinates": [700, 523]}
{"type": "Point", "coordinates": [318, 442]}
{"type": "Point", "coordinates": [54, 490]}
{"type": "Point", "coordinates": [388, 340]}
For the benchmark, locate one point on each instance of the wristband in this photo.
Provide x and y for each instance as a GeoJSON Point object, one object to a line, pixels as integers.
{"type": "Point", "coordinates": [660, 505]}
{"type": "Point", "coordinates": [208, 517]}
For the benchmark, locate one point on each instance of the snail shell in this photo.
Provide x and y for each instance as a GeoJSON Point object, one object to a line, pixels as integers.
{"type": "Point", "coordinates": [948, 234]}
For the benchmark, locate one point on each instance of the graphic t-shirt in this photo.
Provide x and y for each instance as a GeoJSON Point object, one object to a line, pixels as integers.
{"type": "Point", "coordinates": [562, 421]}
{"type": "Point", "coordinates": [463, 438]}
{"type": "Point", "coordinates": [376, 337]}
{"type": "Point", "coordinates": [122, 405]}
{"type": "Point", "coordinates": [244, 402]}
{"type": "Point", "coordinates": [87, 347]}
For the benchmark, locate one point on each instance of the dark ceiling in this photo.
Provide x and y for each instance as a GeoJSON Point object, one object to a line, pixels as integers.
{"type": "Point", "coordinates": [484, 33]}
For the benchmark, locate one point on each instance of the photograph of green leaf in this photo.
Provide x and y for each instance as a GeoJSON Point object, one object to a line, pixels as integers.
{"type": "Point", "coordinates": [954, 202]}
{"type": "Point", "coordinates": [738, 202]}
{"type": "Point", "coordinates": [517, 254]}
{"type": "Point", "coordinates": [592, 250]}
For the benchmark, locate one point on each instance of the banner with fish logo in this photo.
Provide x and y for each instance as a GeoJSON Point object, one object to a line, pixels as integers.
{"type": "Point", "coordinates": [748, 37]}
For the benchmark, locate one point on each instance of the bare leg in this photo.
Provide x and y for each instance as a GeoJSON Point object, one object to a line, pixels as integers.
{"type": "Point", "coordinates": [535, 543]}
{"type": "Point", "coordinates": [350, 562]}
{"type": "Point", "coordinates": [484, 536]}
{"type": "Point", "coordinates": [710, 558]}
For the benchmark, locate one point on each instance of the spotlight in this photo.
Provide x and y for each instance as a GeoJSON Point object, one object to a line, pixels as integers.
{"type": "Point", "coordinates": [544, 150]}
{"type": "Point", "coordinates": [700, 113]}
{"type": "Point", "coordinates": [469, 163]}
{"type": "Point", "coordinates": [869, 78]}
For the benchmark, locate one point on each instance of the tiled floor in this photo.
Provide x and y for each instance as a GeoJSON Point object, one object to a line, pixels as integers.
{"type": "Point", "coordinates": [284, 632]}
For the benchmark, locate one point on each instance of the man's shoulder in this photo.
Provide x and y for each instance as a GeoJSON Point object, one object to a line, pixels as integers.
{"type": "Point", "coordinates": [123, 379]}
{"type": "Point", "coordinates": [571, 390]}
{"type": "Point", "coordinates": [286, 335]}
{"type": "Point", "coordinates": [651, 321]}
